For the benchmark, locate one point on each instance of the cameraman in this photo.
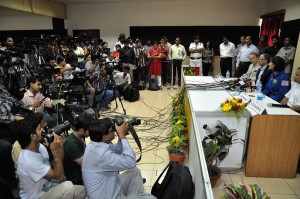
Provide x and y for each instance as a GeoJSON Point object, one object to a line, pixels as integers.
{"type": "Point", "coordinates": [74, 149]}
{"type": "Point", "coordinates": [103, 160]}
{"type": "Point", "coordinates": [34, 169]}
{"type": "Point", "coordinates": [34, 98]}
{"type": "Point", "coordinates": [93, 65]}
{"type": "Point", "coordinates": [98, 85]}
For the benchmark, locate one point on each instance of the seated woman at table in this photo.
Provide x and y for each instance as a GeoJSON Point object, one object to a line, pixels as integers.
{"type": "Point", "coordinates": [292, 98]}
{"type": "Point", "coordinates": [279, 83]}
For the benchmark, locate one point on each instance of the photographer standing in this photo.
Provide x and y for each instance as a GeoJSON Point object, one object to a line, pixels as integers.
{"type": "Point", "coordinates": [34, 169]}
{"type": "Point", "coordinates": [102, 162]}
{"type": "Point", "coordinates": [127, 56]}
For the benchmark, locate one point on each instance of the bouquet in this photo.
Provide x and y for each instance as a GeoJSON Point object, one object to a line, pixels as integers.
{"type": "Point", "coordinates": [234, 106]}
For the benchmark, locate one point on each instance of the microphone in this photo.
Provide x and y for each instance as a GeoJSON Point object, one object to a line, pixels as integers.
{"type": "Point", "coordinates": [277, 105]}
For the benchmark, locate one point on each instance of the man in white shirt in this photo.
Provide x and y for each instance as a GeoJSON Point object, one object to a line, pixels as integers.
{"type": "Point", "coordinates": [79, 52]}
{"type": "Point", "coordinates": [122, 79]}
{"type": "Point", "coordinates": [227, 49]}
{"type": "Point", "coordinates": [292, 98]}
{"type": "Point", "coordinates": [34, 169]}
{"type": "Point", "coordinates": [177, 54]}
{"type": "Point", "coordinates": [243, 60]}
{"type": "Point", "coordinates": [196, 49]}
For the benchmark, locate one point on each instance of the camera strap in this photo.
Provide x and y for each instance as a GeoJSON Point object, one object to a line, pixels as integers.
{"type": "Point", "coordinates": [136, 139]}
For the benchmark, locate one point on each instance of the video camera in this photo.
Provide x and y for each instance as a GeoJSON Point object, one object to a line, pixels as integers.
{"type": "Point", "coordinates": [58, 130]}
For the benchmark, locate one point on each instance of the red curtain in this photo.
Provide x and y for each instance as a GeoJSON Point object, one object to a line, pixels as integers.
{"type": "Point", "coordinates": [271, 26]}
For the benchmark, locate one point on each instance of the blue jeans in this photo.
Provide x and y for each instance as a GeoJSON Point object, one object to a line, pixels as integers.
{"type": "Point", "coordinates": [104, 98]}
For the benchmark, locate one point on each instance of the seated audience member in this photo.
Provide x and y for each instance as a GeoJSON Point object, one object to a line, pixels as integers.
{"type": "Point", "coordinates": [34, 98]}
{"type": "Point", "coordinates": [292, 98]}
{"type": "Point", "coordinates": [253, 68]}
{"type": "Point", "coordinates": [122, 79]}
{"type": "Point", "coordinates": [36, 173]}
{"type": "Point", "coordinates": [103, 160]}
{"type": "Point", "coordinates": [87, 58]}
{"type": "Point", "coordinates": [74, 149]}
{"type": "Point", "coordinates": [263, 74]}
{"type": "Point", "coordinates": [98, 85]}
{"type": "Point", "coordinates": [111, 61]}
{"type": "Point", "coordinates": [93, 65]}
{"type": "Point", "coordinates": [279, 83]}
{"type": "Point", "coordinates": [105, 50]}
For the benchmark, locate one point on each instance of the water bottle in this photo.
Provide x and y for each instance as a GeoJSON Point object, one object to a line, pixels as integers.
{"type": "Point", "coordinates": [227, 74]}
{"type": "Point", "coordinates": [259, 97]}
{"type": "Point", "coordinates": [258, 86]}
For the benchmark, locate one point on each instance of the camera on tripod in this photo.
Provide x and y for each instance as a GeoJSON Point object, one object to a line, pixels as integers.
{"type": "Point", "coordinates": [119, 121]}
{"type": "Point", "coordinates": [58, 130]}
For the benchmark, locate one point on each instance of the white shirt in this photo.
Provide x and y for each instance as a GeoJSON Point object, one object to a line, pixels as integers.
{"type": "Point", "coordinates": [79, 51]}
{"type": "Point", "coordinates": [120, 79]}
{"type": "Point", "coordinates": [177, 52]}
{"type": "Point", "coordinates": [245, 52]}
{"type": "Point", "coordinates": [294, 95]}
{"type": "Point", "coordinates": [32, 167]}
{"type": "Point", "coordinates": [196, 46]}
{"type": "Point", "coordinates": [227, 50]}
{"type": "Point", "coordinates": [88, 65]}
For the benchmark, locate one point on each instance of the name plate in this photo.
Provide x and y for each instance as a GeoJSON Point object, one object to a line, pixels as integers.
{"type": "Point", "coordinates": [259, 109]}
{"type": "Point", "coordinates": [242, 82]}
{"type": "Point", "coordinates": [245, 97]}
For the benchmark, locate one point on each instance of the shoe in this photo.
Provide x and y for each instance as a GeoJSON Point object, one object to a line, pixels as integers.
{"type": "Point", "coordinates": [144, 180]}
{"type": "Point", "coordinates": [159, 88]}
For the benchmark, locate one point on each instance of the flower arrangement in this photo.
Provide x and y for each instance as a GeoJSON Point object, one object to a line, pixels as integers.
{"type": "Point", "coordinates": [234, 106]}
{"type": "Point", "coordinates": [189, 71]}
{"type": "Point", "coordinates": [177, 137]}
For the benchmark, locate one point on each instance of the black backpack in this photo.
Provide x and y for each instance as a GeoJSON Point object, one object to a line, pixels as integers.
{"type": "Point", "coordinates": [131, 94]}
{"type": "Point", "coordinates": [177, 184]}
{"type": "Point", "coordinates": [153, 86]}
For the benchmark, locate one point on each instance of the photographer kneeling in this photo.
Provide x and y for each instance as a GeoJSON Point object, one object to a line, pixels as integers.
{"type": "Point", "coordinates": [35, 171]}
{"type": "Point", "coordinates": [122, 80]}
{"type": "Point", "coordinates": [102, 162]}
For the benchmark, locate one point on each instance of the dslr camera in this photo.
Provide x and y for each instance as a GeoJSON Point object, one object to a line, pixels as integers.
{"type": "Point", "coordinates": [119, 121]}
{"type": "Point", "coordinates": [58, 130]}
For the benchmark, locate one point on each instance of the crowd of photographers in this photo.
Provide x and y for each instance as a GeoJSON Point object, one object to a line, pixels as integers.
{"type": "Point", "coordinates": [49, 164]}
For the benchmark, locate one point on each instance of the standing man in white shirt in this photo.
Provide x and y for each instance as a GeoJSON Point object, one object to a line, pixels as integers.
{"type": "Point", "coordinates": [196, 49]}
{"type": "Point", "coordinates": [177, 54]}
{"type": "Point", "coordinates": [243, 60]}
{"type": "Point", "coordinates": [227, 49]}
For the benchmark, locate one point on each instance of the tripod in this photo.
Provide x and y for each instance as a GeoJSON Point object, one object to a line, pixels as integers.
{"type": "Point", "coordinates": [116, 94]}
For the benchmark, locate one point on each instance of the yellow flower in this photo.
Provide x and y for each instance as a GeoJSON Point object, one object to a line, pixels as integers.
{"type": "Point", "coordinates": [233, 100]}
{"type": "Point", "coordinates": [176, 99]}
{"type": "Point", "coordinates": [179, 122]}
{"type": "Point", "coordinates": [240, 104]}
{"type": "Point", "coordinates": [176, 139]}
{"type": "Point", "coordinates": [226, 107]}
